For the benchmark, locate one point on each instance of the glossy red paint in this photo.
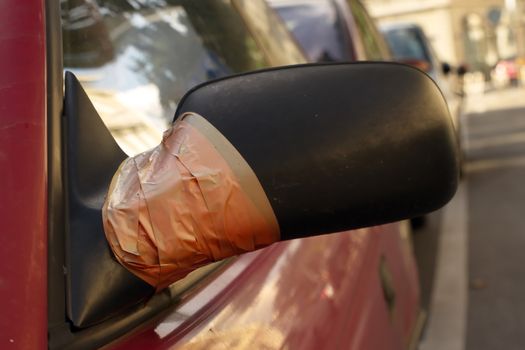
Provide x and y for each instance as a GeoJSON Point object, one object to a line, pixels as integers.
{"type": "Point", "coordinates": [321, 292]}
{"type": "Point", "coordinates": [23, 212]}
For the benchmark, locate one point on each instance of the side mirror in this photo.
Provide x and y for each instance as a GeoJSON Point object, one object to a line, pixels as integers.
{"type": "Point", "coordinates": [337, 146]}
{"type": "Point", "coordinates": [333, 146]}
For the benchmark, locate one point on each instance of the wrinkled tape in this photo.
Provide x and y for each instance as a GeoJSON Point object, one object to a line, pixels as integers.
{"type": "Point", "coordinates": [190, 201]}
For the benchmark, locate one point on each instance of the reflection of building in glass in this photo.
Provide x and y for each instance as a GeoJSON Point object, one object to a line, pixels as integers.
{"type": "Point", "coordinates": [478, 33]}
{"type": "Point", "coordinates": [137, 59]}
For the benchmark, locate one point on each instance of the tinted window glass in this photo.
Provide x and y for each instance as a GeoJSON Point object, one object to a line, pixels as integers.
{"type": "Point", "coordinates": [272, 35]}
{"type": "Point", "coordinates": [136, 58]}
{"type": "Point", "coordinates": [318, 29]}
{"type": "Point", "coordinates": [407, 43]}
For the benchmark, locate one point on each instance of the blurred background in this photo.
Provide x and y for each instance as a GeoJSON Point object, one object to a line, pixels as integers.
{"type": "Point", "coordinates": [478, 33]}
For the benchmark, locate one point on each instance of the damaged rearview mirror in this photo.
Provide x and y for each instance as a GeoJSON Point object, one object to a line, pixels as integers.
{"type": "Point", "coordinates": [250, 160]}
{"type": "Point", "coordinates": [280, 154]}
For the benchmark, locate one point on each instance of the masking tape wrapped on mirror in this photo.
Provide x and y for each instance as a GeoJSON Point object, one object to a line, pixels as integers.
{"type": "Point", "coordinates": [189, 201]}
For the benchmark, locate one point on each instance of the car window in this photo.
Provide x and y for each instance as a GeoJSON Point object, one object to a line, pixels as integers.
{"type": "Point", "coordinates": [136, 59]}
{"type": "Point", "coordinates": [407, 43]}
{"type": "Point", "coordinates": [373, 42]}
{"type": "Point", "coordinates": [318, 28]}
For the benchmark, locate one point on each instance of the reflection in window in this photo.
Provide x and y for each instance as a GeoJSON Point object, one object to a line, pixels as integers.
{"type": "Point", "coordinates": [137, 58]}
{"type": "Point", "coordinates": [372, 40]}
{"type": "Point", "coordinates": [318, 29]}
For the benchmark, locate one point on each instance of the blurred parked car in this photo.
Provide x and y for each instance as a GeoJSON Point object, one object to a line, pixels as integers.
{"type": "Point", "coordinates": [508, 72]}
{"type": "Point", "coordinates": [60, 285]}
{"type": "Point", "coordinates": [410, 45]}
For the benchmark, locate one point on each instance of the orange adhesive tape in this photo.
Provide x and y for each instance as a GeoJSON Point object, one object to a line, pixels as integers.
{"type": "Point", "coordinates": [190, 201]}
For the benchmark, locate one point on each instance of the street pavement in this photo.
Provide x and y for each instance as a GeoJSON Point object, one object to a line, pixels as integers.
{"type": "Point", "coordinates": [473, 251]}
{"type": "Point", "coordinates": [495, 153]}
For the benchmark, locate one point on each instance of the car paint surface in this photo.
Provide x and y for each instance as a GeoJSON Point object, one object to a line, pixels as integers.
{"type": "Point", "coordinates": [23, 207]}
{"type": "Point", "coordinates": [321, 292]}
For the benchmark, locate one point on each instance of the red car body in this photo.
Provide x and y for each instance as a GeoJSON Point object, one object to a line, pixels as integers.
{"type": "Point", "coordinates": [303, 294]}
{"type": "Point", "coordinates": [23, 160]}
{"type": "Point", "coordinates": [355, 290]}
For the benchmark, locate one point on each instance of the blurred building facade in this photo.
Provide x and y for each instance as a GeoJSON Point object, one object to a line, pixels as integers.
{"type": "Point", "coordinates": [476, 32]}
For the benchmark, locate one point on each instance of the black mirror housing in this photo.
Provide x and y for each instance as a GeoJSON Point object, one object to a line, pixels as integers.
{"type": "Point", "coordinates": [337, 146]}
